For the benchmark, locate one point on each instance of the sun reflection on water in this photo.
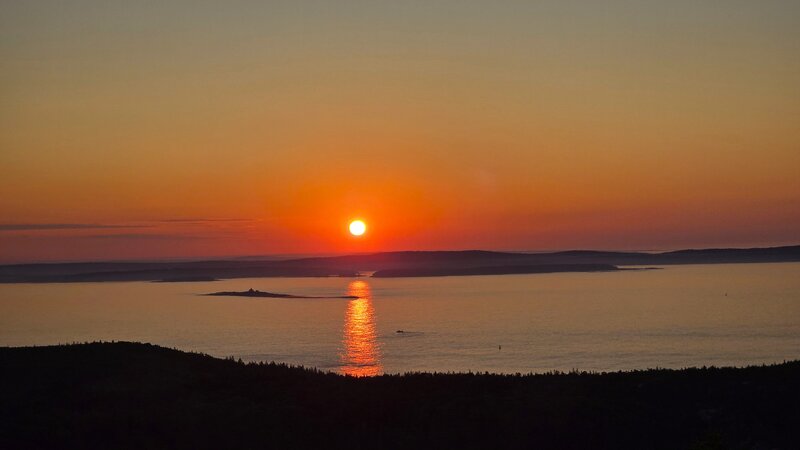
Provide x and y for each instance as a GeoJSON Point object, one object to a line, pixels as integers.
{"type": "Point", "coordinates": [361, 352]}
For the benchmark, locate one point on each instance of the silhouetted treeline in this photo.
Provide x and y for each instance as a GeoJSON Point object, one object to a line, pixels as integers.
{"type": "Point", "coordinates": [124, 395]}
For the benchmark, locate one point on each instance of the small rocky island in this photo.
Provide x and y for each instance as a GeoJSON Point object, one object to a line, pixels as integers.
{"type": "Point", "coordinates": [256, 293]}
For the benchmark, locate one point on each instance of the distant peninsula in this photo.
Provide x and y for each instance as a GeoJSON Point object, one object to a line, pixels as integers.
{"type": "Point", "coordinates": [256, 293]}
{"type": "Point", "coordinates": [387, 264]}
{"type": "Point", "coordinates": [186, 279]}
{"type": "Point", "coordinates": [492, 270]}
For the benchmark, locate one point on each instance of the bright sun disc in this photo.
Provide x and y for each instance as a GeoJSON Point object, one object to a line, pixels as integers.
{"type": "Point", "coordinates": [357, 227]}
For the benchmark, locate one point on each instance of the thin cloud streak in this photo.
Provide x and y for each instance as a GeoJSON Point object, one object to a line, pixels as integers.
{"type": "Point", "coordinates": [62, 226]}
{"type": "Point", "coordinates": [154, 236]}
{"type": "Point", "coordinates": [202, 220]}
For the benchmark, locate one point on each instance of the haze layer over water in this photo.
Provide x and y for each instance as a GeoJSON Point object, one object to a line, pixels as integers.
{"type": "Point", "coordinates": [731, 314]}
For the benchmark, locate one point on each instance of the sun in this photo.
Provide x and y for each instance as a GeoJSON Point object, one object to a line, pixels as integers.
{"type": "Point", "coordinates": [357, 227]}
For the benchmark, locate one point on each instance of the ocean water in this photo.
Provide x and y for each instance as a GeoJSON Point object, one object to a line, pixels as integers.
{"type": "Point", "coordinates": [679, 316]}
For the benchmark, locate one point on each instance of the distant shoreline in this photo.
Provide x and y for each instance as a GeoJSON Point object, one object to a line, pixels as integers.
{"type": "Point", "coordinates": [188, 279]}
{"type": "Point", "coordinates": [388, 264]}
{"type": "Point", "coordinates": [493, 270]}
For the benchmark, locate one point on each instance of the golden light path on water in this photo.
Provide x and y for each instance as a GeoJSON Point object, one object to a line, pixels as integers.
{"type": "Point", "coordinates": [361, 352]}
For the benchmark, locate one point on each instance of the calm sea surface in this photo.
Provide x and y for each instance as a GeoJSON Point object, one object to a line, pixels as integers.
{"type": "Point", "coordinates": [730, 314]}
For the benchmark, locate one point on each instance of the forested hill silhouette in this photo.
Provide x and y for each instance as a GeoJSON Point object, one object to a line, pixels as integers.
{"type": "Point", "coordinates": [409, 263]}
{"type": "Point", "coordinates": [125, 395]}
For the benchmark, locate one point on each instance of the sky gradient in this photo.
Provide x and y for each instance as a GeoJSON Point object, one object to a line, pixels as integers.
{"type": "Point", "coordinates": [191, 129]}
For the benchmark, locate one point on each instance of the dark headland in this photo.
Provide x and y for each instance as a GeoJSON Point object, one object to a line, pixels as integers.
{"type": "Point", "coordinates": [125, 395]}
{"type": "Point", "coordinates": [388, 264]}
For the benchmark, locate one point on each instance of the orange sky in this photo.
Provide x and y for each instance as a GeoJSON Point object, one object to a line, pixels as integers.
{"type": "Point", "coordinates": [202, 129]}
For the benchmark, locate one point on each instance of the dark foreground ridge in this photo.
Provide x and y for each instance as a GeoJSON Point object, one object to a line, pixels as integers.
{"type": "Point", "coordinates": [436, 263]}
{"type": "Point", "coordinates": [256, 293]}
{"type": "Point", "coordinates": [125, 395]}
